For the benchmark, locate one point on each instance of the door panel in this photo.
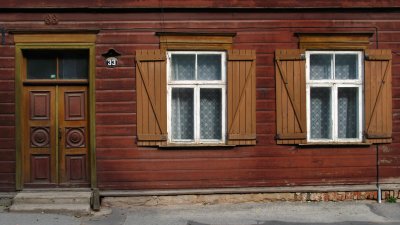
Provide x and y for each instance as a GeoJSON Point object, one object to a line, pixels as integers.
{"type": "Point", "coordinates": [55, 134]}
{"type": "Point", "coordinates": [40, 168]}
{"type": "Point", "coordinates": [38, 135]}
{"type": "Point", "coordinates": [75, 166]}
{"type": "Point", "coordinates": [75, 105]}
{"type": "Point", "coordinates": [73, 129]}
{"type": "Point", "coordinates": [40, 104]}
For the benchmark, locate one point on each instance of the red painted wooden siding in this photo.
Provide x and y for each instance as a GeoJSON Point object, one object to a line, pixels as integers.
{"type": "Point", "coordinates": [198, 3]}
{"type": "Point", "coordinates": [7, 117]}
{"type": "Point", "coordinates": [122, 165]}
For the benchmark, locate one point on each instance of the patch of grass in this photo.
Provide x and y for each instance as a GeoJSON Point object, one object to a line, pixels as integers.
{"type": "Point", "coordinates": [391, 199]}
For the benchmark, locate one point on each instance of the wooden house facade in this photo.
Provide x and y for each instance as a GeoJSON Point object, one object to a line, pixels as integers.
{"type": "Point", "coordinates": [120, 95]}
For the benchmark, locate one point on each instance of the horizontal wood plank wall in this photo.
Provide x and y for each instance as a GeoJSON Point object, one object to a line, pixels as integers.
{"type": "Point", "coordinates": [123, 165]}
{"type": "Point", "coordinates": [197, 3]}
{"type": "Point", "coordinates": [7, 117]}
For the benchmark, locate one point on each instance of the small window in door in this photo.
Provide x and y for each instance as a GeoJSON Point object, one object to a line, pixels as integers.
{"type": "Point", "coordinates": [65, 65]}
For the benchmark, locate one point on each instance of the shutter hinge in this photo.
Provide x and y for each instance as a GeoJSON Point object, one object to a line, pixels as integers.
{"type": "Point", "coordinates": [288, 57]}
{"type": "Point", "coordinates": [290, 136]}
{"type": "Point", "coordinates": [376, 135]}
{"type": "Point", "coordinates": [377, 57]}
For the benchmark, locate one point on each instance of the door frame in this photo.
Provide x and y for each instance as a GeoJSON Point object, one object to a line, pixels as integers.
{"type": "Point", "coordinates": [54, 42]}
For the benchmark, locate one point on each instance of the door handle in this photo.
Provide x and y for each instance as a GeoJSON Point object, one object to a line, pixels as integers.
{"type": "Point", "coordinates": [59, 133]}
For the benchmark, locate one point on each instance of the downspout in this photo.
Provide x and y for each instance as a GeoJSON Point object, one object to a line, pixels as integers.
{"type": "Point", "coordinates": [379, 190]}
{"type": "Point", "coordinates": [379, 197]}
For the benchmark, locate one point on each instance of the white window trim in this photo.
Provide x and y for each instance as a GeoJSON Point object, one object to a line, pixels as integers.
{"type": "Point", "coordinates": [197, 85]}
{"type": "Point", "coordinates": [335, 84]}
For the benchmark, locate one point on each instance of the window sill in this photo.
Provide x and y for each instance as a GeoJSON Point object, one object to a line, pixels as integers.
{"type": "Point", "coordinates": [203, 145]}
{"type": "Point", "coordinates": [336, 144]}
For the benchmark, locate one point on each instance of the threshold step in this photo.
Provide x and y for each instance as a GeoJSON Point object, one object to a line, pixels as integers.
{"type": "Point", "coordinates": [52, 197]}
{"type": "Point", "coordinates": [52, 208]}
{"type": "Point", "coordinates": [52, 201]}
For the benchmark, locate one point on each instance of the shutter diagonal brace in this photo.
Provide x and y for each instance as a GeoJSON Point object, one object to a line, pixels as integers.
{"type": "Point", "coordinates": [150, 97]}
{"type": "Point", "coordinates": [378, 96]}
{"type": "Point", "coordinates": [241, 94]}
{"type": "Point", "coordinates": [290, 95]}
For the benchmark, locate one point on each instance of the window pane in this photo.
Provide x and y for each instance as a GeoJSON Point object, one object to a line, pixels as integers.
{"type": "Point", "coordinates": [209, 67]}
{"type": "Point", "coordinates": [321, 113]}
{"type": "Point", "coordinates": [182, 114]}
{"type": "Point", "coordinates": [320, 66]}
{"type": "Point", "coordinates": [74, 65]}
{"type": "Point", "coordinates": [183, 66]}
{"type": "Point", "coordinates": [348, 112]}
{"type": "Point", "coordinates": [346, 66]}
{"type": "Point", "coordinates": [210, 113]}
{"type": "Point", "coordinates": [41, 66]}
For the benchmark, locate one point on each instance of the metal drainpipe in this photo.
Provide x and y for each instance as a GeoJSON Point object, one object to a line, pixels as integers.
{"type": "Point", "coordinates": [377, 175]}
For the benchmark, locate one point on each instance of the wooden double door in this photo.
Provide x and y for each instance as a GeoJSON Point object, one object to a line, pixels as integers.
{"type": "Point", "coordinates": [55, 136]}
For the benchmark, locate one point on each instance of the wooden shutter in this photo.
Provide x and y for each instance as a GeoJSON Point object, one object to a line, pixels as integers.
{"type": "Point", "coordinates": [378, 96]}
{"type": "Point", "coordinates": [241, 105]}
{"type": "Point", "coordinates": [290, 96]}
{"type": "Point", "coordinates": [151, 97]}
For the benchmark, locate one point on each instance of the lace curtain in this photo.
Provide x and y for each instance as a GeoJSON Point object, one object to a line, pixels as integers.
{"type": "Point", "coordinates": [182, 114]}
{"type": "Point", "coordinates": [210, 114]}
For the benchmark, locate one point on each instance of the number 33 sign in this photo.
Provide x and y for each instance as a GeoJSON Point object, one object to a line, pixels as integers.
{"type": "Point", "coordinates": [111, 62]}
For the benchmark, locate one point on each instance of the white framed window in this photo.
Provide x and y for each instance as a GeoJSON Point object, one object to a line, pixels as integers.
{"type": "Point", "coordinates": [334, 92]}
{"type": "Point", "coordinates": [196, 94]}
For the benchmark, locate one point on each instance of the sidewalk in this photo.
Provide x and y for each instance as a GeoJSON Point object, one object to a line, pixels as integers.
{"type": "Point", "coordinates": [276, 213]}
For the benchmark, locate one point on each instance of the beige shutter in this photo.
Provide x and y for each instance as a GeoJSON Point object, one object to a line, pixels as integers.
{"type": "Point", "coordinates": [378, 96]}
{"type": "Point", "coordinates": [241, 104]}
{"type": "Point", "coordinates": [290, 96]}
{"type": "Point", "coordinates": [151, 97]}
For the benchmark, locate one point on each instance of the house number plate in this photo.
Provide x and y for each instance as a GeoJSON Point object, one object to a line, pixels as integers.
{"type": "Point", "coordinates": [111, 62]}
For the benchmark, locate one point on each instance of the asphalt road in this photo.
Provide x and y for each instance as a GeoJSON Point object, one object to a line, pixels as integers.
{"type": "Point", "coordinates": [278, 213]}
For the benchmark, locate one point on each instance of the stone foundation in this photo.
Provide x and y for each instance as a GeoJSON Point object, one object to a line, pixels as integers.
{"type": "Point", "coordinates": [5, 202]}
{"type": "Point", "coordinates": [209, 199]}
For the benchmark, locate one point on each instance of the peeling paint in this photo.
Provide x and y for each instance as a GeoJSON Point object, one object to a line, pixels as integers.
{"type": "Point", "coordinates": [385, 161]}
{"type": "Point", "coordinates": [386, 148]}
